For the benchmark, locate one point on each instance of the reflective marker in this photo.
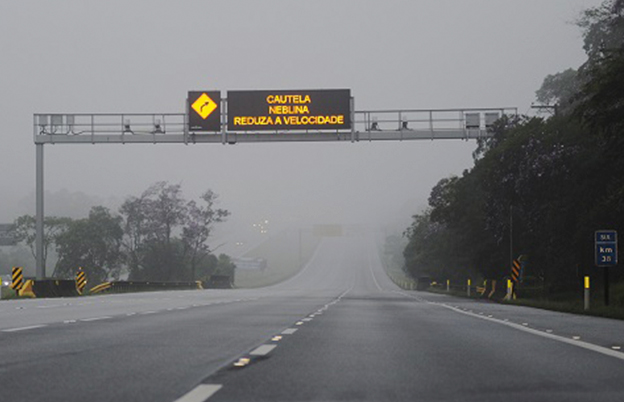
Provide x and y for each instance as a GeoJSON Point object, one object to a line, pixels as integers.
{"type": "Point", "coordinates": [243, 361]}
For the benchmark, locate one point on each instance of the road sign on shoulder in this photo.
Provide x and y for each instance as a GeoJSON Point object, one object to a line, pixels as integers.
{"type": "Point", "coordinates": [606, 248]}
{"type": "Point", "coordinates": [204, 110]}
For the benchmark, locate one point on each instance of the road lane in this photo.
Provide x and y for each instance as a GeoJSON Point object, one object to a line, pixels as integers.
{"type": "Point", "coordinates": [339, 330]}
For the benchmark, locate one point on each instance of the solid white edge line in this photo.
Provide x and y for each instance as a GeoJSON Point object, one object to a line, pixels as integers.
{"type": "Point", "coordinates": [262, 350]}
{"type": "Point", "coordinates": [23, 328]}
{"type": "Point", "coordinates": [370, 268]}
{"type": "Point", "coordinates": [578, 343]}
{"type": "Point", "coordinates": [200, 393]}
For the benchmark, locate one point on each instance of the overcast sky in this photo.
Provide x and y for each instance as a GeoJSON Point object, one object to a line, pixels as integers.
{"type": "Point", "coordinates": [143, 56]}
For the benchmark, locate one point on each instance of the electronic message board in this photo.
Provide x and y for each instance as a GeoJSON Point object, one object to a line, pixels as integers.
{"type": "Point", "coordinates": [321, 109]}
{"type": "Point", "coordinates": [204, 110]}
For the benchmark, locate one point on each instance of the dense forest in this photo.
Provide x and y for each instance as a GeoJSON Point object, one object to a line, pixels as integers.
{"type": "Point", "coordinates": [540, 186]}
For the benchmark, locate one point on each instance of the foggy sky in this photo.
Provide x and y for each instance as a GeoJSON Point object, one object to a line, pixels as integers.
{"type": "Point", "coordinates": [143, 56]}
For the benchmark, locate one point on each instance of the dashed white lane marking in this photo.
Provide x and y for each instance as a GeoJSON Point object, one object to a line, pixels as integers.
{"type": "Point", "coordinates": [148, 312]}
{"type": "Point", "coordinates": [289, 331]}
{"type": "Point", "coordinates": [106, 317]}
{"type": "Point", "coordinates": [23, 328]}
{"type": "Point", "coordinates": [262, 350]}
{"type": "Point", "coordinates": [306, 319]}
{"type": "Point", "coordinates": [200, 393]}
{"type": "Point", "coordinates": [52, 306]}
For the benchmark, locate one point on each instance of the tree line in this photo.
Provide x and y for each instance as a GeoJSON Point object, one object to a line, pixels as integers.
{"type": "Point", "coordinates": [157, 236]}
{"type": "Point", "coordinates": [540, 187]}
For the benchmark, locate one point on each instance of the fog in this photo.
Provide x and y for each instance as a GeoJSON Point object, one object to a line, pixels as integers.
{"type": "Point", "coordinates": [142, 57]}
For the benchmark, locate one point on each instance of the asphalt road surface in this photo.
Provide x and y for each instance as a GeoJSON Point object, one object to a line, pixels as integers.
{"type": "Point", "coordinates": [338, 331]}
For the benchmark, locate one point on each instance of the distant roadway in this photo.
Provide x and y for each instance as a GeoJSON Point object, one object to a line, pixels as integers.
{"type": "Point", "coordinates": [340, 330]}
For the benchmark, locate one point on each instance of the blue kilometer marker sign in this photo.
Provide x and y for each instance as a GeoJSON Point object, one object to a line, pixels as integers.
{"type": "Point", "coordinates": [606, 248]}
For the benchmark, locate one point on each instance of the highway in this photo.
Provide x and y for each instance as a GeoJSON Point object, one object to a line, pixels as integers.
{"type": "Point", "coordinates": [339, 330]}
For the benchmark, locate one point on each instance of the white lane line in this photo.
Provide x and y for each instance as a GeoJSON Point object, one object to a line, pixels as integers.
{"type": "Point", "coordinates": [289, 331]}
{"type": "Point", "coordinates": [370, 268]}
{"type": "Point", "coordinates": [200, 393]}
{"type": "Point", "coordinates": [106, 317]}
{"type": "Point", "coordinates": [52, 306]}
{"type": "Point", "coordinates": [148, 312]}
{"type": "Point", "coordinates": [307, 319]}
{"type": "Point", "coordinates": [23, 328]}
{"type": "Point", "coordinates": [262, 350]}
{"type": "Point", "coordinates": [545, 334]}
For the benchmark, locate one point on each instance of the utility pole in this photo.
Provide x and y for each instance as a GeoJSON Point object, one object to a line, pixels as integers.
{"type": "Point", "coordinates": [510, 236]}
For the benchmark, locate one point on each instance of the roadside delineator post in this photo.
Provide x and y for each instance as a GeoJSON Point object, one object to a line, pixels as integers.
{"type": "Point", "coordinates": [586, 293]}
{"type": "Point", "coordinates": [81, 280]}
{"type": "Point", "coordinates": [468, 288]}
{"type": "Point", "coordinates": [509, 289]}
{"type": "Point", "coordinates": [448, 285]}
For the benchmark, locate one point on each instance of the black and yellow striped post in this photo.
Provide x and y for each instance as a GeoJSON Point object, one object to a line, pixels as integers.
{"type": "Point", "coordinates": [81, 280]}
{"type": "Point", "coordinates": [17, 278]}
{"type": "Point", "coordinates": [515, 271]}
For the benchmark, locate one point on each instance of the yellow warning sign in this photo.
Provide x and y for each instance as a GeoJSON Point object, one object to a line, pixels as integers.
{"type": "Point", "coordinates": [204, 106]}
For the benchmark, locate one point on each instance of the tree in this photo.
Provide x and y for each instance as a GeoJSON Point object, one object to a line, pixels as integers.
{"type": "Point", "coordinates": [24, 228]}
{"type": "Point", "coordinates": [601, 104]}
{"type": "Point", "coordinates": [199, 223]}
{"type": "Point", "coordinates": [93, 243]}
{"type": "Point", "coordinates": [151, 224]}
{"type": "Point", "coordinates": [559, 90]}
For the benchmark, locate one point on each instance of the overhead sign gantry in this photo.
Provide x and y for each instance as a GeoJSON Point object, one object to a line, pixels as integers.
{"type": "Point", "coordinates": [326, 115]}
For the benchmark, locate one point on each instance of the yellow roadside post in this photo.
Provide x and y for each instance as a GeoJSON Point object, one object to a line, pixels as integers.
{"type": "Point", "coordinates": [509, 289]}
{"type": "Point", "coordinates": [468, 288]}
{"type": "Point", "coordinates": [448, 285]}
{"type": "Point", "coordinates": [586, 293]}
